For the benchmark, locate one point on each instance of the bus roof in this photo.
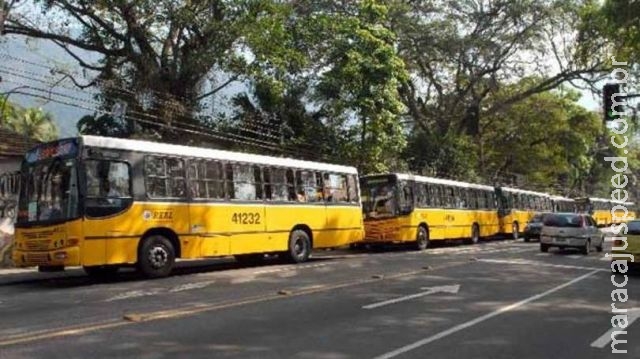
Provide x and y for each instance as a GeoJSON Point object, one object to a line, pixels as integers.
{"type": "Point", "coordinates": [424, 179]}
{"type": "Point", "coordinates": [200, 152]}
{"type": "Point", "coordinates": [560, 198]}
{"type": "Point", "coordinates": [522, 191]}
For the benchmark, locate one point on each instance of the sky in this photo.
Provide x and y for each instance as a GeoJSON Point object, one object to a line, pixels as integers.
{"type": "Point", "coordinates": [29, 63]}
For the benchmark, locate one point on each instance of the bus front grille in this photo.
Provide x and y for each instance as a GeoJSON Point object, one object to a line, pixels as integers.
{"type": "Point", "coordinates": [37, 258]}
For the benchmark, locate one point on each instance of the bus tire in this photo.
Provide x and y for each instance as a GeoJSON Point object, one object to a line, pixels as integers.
{"type": "Point", "coordinates": [475, 234]}
{"type": "Point", "coordinates": [422, 238]}
{"type": "Point", "coordinates": [156, 257]}
{"type": "Point", "coordinates": [515, 231]}
{"type": "Point", "coordinates": [299, 246]}
{"type": "Point", "coordinates": [101, 272]}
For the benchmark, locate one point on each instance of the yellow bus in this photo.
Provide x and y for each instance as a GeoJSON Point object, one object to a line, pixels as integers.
{"type": "Point", "coordinates": [599, 208]}
{"type": "Point", "coordinates": [103, 203]}
{"type": "Point", "coordinates": [622, 212]}
{"type": "Point", "coordinates": [631, 207]}
{"type": "Point", "coordinates": [415, 209]}
{"type": "Point", "coordinates": [516, 207]}
{"type": "Point", "coordinates": [563, 204]}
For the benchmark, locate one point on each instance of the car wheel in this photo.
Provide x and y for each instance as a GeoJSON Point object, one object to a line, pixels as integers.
{"type": "Point", "coordinates": [527, 239]}
{"type": "Point", "coordinates": [156, 257]}
{"type": "Point", "coordinates": [544, 248]}
{"type": "Point", "coordinates": [422, 238]}
{"type": "Point", "coordinates": [587, 248]}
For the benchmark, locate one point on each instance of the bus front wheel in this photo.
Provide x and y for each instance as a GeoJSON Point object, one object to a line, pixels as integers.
{"type": "Point", "coordinates": [299, 246]}
{"type": "Point", "coordinates": [156, 257]}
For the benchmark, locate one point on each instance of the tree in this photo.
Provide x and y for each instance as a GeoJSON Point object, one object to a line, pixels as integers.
{"type": "Point", "coordinates": [32, 122]}
{"type": "Point", "coordinates": [460, 53]}
{"type": "Point", "coordinates": [162, 58]}
{"type": "Point", "coordinates": [548, 142]}
{"type": "Point", "coordinates": [103, 125]}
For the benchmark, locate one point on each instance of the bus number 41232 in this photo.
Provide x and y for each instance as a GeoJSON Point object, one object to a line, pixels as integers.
{"type": "Point", "coordinates": [246, 218]}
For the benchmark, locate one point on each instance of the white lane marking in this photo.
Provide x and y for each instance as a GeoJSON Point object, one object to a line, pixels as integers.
{"type": "Point", "coordinates": [134, 294]}
{"type": "Point", "coordinates": [452, 289]}
{"type": "Point", "coordinates": [190, 286]}
{"type": "Point", "coordinates": [633, 314]}
{"type": "Point", "coordinates": [605, 258]}
{"type": "Point", "coordinates": [540, 264]}
{"type": "Point", "coordinates": [481, 319]}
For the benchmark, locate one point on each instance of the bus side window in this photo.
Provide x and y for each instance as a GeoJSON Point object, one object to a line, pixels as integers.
{"type": "Point", "coordinates": [291, 192]}
{"type": "Point", "coordinates": [244, 187]}
{"type": "Point", "coordinates": [257, 174]}
{"type": "Point", "coordinates": [268, 188]}
{"type": "Point", "coordinates": [335, 188]}
{"type": "Point", "coordinates": [352, 184]}
{"type": "Point", "coordinates": [228, 180]}
{"type": "Point", "coordinates": [278, 186]}
{"type": "Point", "coordinates": [177, 175]}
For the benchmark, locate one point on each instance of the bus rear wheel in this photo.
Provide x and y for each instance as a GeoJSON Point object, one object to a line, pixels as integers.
{"type": "Point", "coordinates": [156, 257]}
{"type": "Point", "coordinates": [299, 246]}
{"type": "Point", "coordinates": [475, 234]}
{"type": "Point", "coordinates": [422, 239]}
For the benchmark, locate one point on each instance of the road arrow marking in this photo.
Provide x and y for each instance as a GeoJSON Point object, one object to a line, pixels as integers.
{"type": "Point", "coordinates": [451, 289]}
{"type": "Point", "coordinates": [632, 315]}
{"type": "Point", "coordinates": [471, 323]}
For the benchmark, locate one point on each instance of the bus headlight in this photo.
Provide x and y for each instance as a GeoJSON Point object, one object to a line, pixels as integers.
{"type": "Point", "coordinates": [60, 256]}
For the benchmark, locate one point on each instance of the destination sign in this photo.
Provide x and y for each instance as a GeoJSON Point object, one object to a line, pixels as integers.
{"type": "Point", "coordinates": [62, 148]}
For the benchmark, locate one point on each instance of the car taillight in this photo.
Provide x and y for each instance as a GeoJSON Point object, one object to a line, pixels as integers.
{"type": "Point", "coordinates": [618, 243]}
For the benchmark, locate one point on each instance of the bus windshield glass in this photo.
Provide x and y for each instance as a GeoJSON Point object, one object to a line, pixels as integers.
{"type": "Point", "coordinates": [378, 196]}
{"type": "Point", "coordinates": [49, 192]}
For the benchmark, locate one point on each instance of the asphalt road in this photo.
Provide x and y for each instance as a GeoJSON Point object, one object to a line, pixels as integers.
{"type": "Point", "coordinates": [500, 299]}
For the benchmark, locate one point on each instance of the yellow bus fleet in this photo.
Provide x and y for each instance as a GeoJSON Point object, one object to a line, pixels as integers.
{"type": "Point", "coordinates": [105, 203]}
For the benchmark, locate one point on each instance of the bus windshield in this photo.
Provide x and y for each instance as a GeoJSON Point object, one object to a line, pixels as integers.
{"type": "Point", "coordinates": [378, 196]}
{"type": "Point", "coordinates": [49, 192]}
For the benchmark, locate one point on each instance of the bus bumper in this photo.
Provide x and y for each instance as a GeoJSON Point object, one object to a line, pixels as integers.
{"type": "Point", "coordinates": [60, 257]}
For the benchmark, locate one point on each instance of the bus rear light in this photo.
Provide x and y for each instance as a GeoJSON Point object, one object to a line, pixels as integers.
{"type": "Point", "coordinates": [60, 255]}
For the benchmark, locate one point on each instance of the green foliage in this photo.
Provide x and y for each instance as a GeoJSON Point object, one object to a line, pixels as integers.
{"type": "Point", "coordinates": [548, 140]}
{"type": "Point", "coordinates": [103, 125]}
{"type": "Point", "coordinates": [33, 123]}
{"type": "Point", "coordinates": [360, 90]}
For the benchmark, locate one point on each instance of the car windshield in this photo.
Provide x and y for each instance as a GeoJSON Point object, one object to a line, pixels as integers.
{"type": "Point", "coordinates": [49, 192]}
{"type": "Point", "coordinates": [563, 220]}
{"type": "Point", "coordinates": [537, 218]}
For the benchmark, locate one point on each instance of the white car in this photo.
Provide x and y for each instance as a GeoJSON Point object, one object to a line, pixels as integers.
{"type": "Point", "coordinates": [571, 230]}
